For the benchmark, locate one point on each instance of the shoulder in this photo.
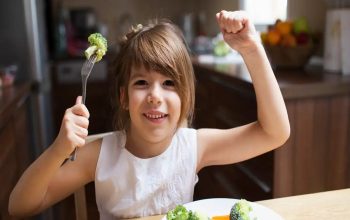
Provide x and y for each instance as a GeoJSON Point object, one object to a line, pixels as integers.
{"type": "Point", "coordinates": [90, 153]}
{"type": "Point", "coordinates": [187, 134]}
{"type": "Point", "coordinates": [186, 140]}
{"type": "Point", "coordinates": [186, 131]}
{"type": "Point", "coordinates": [87, 156]}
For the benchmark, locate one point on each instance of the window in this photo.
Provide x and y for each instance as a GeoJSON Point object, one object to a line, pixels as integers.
{"type": "Point", "coordinates": [264, 12]}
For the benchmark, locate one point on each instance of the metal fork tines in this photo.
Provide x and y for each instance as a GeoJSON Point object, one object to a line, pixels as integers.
{"type": "Point", "coordinates": [85, 73]}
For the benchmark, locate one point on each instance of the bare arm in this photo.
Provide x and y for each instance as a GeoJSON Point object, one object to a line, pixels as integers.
{"type": "Point", "coordinates": [47, 181]}
{"type": "Point", "coordinates": [272, 127]}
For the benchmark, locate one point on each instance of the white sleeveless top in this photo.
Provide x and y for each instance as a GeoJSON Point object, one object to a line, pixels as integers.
{"type": "Point", "coordinates": [127, 186]}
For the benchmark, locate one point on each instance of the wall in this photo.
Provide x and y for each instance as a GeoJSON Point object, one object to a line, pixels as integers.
{"type": "Point", "coordinates": [313, 10]}
{"type": "Point", "coordinates": [111, 12]}
{"type": "Point", "coordinates": [209, 8]}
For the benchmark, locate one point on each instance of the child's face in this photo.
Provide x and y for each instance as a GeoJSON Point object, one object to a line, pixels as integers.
{"type": "Point", "coordinates": [154, 104]}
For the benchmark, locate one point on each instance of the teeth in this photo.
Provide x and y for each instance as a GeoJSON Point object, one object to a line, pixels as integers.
{"type": "Point", "coordinates": [155, 116]}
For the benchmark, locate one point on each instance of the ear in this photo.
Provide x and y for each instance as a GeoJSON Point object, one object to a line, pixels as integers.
{"type": "Point", "coordinates": [122, 98]}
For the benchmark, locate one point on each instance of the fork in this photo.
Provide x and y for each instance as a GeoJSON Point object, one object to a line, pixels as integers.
{"type": "Point", "coordinates": [85, 73]}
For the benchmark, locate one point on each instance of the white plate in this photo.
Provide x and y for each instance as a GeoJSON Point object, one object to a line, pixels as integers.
{"type": "Point", "coordinates": [221, 206]}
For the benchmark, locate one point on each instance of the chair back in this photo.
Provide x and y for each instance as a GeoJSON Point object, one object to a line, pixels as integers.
{"type": "Point", "coordinates": [79, 195]}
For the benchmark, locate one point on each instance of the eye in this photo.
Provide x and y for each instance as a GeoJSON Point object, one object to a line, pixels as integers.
{"type": "Point", "coordinates": [169, 83]}
{"type": "Point", "coordinates": [140, 82]}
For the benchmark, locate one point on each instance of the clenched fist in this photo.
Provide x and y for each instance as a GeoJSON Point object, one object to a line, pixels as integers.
{"type": "Point", "coordinates": [238, 31]}
{"type": "Point", "coordinates": [74, 129]}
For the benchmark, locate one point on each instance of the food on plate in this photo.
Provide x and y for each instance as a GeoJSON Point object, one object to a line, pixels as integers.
{"type": "Point", "coordinates": [241, 210]}
{"type": "Point", "coordinates": [181, 213]}
{"type": "Point", "coordinates": [221, 217]}
{"type": "Point", "coordinates": [98, 46]}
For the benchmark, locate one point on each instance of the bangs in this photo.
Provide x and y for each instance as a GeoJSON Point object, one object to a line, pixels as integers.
{"type": "Point", "coordinates": [156, 51]}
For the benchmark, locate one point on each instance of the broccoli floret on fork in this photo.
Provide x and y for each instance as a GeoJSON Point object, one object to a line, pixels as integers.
{"type": "Point", "coordinates": [98, 46]}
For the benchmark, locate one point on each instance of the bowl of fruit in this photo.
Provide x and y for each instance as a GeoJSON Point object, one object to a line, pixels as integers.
{"type": "Point", "coordinates": [288, 44]}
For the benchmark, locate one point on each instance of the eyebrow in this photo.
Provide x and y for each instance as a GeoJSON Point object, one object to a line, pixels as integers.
{"type": "Point", "coordinates": [136, 74]}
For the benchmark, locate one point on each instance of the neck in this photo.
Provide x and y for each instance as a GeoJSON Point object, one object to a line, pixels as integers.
{"type": "Point", "coordinates": [146, 147]}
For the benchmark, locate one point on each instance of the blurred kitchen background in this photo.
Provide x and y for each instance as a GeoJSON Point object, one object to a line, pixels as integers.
{"type": "Point", "coordinates": [42, 44]}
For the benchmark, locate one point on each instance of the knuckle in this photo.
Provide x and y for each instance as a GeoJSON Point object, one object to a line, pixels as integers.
{"type": "Point", "coordinates": [81, 142]}
{"type": "Point", "coordinates": [85, 132]}
{"type": "Point", "coordinates": [65, 118]}
{"type": "Point", "coordinates": [70, 137]}
{"type": "Point", "coordinates": [66, 126]}
{"type": "Point", "coordinates": [86, 122]}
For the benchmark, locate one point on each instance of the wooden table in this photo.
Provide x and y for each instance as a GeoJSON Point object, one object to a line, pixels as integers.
{"type": "Point", "coordinates": [317, 206]}
{"type": "Point", "coordinates": [324, 205]}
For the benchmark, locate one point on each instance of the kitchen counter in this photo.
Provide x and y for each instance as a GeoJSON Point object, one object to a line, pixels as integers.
{"type": "Point", "coordinates": [312, 82]}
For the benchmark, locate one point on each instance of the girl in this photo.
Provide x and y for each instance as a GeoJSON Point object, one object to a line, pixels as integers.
{"type": "Point", "coordinates": [150, 164]}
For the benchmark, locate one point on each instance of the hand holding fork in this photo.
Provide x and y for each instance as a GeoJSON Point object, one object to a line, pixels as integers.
{"type": "Point", "coordinates": [85, 73]}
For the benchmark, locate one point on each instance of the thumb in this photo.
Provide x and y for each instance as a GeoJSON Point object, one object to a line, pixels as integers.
{"type": "Point", "coordinates": [78, 100]}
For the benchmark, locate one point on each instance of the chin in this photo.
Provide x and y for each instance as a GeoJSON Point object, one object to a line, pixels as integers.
{"type": "Point", "coordinates": [160, 134]}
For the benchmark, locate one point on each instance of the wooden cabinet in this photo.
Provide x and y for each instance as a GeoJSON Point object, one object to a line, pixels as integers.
{"type": "Point", "coordinates": [66, 86]}
{"type": "Point", "coordinates": [223, 102]}
{"type": "Point", "coordinates": [14, 140]}
{"type": "Point", "coordinates": [314, 159]}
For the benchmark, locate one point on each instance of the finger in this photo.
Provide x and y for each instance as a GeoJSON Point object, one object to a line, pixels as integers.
{"type": "Point", "coordinates": [217, 16]}
{"type": "Point", "coordinates": [81, 121]}
{"type": "Point", "coordinates": [233, 22]}
{"type": "Point", "coordinates": [243, 19]}
{"type": "Point", "coordinates": [219, 20]}
{"type": "Point", "coordinates": [79, 141]}
{"type": "Point", "coordinates": [240, 18]}
{"type": "Point", "coordinates": [224, 18]}
{"type": "Point", "coordinates": [80, 131]}
{"type": "Point", "coordinates": [229, 23]}
{"type": "Point", "coordinates": [77, 136]}
{"type": "Point", "coordinates": [80, 109]}
{"type": "Point", "coordinates": [78, 100]}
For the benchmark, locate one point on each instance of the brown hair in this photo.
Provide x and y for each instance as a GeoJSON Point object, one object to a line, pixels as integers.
{"type": "Point", "coordinates": [158, 46]}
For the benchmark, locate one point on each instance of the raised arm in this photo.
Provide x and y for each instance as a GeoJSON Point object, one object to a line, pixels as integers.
{"type": "Point", "coordinates": [272, 128]}
{"type": "Point", "coordinates": [47, 181]}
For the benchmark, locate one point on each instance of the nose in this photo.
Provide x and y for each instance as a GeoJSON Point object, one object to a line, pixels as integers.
{"type": "Point", "coordinates": [154, 97]}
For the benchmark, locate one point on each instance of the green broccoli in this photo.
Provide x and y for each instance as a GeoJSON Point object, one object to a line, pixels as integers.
{"type": "Point", "coordinates": [181, 213]}
{"type": "Point", "coordinates": [240, 210]}
{"type": "Point", "coordinates": [98, 46]}
{"type": "Point", "coordinates": [197, 216]}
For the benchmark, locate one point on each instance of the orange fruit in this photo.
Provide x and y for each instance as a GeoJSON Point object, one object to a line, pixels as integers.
{"type": "Point", "coordinates": [284, 27]}
{"type": "Point", "coordinates": [289, 40]}
{"type": "Point", "coordinates": [273, 37]}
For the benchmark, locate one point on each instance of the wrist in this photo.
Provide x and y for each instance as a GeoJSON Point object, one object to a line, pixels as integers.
{"type": "Point", "coordinates": [58, 151]}
{"type": "Point", "coordinates": [252, 49]}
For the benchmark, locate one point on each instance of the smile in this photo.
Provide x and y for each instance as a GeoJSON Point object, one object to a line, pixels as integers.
{"type": "Point", "coordinates": [156, 116]}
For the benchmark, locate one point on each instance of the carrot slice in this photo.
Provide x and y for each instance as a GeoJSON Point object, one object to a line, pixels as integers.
{"type": "Point", "coordinates": [221, 217]}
